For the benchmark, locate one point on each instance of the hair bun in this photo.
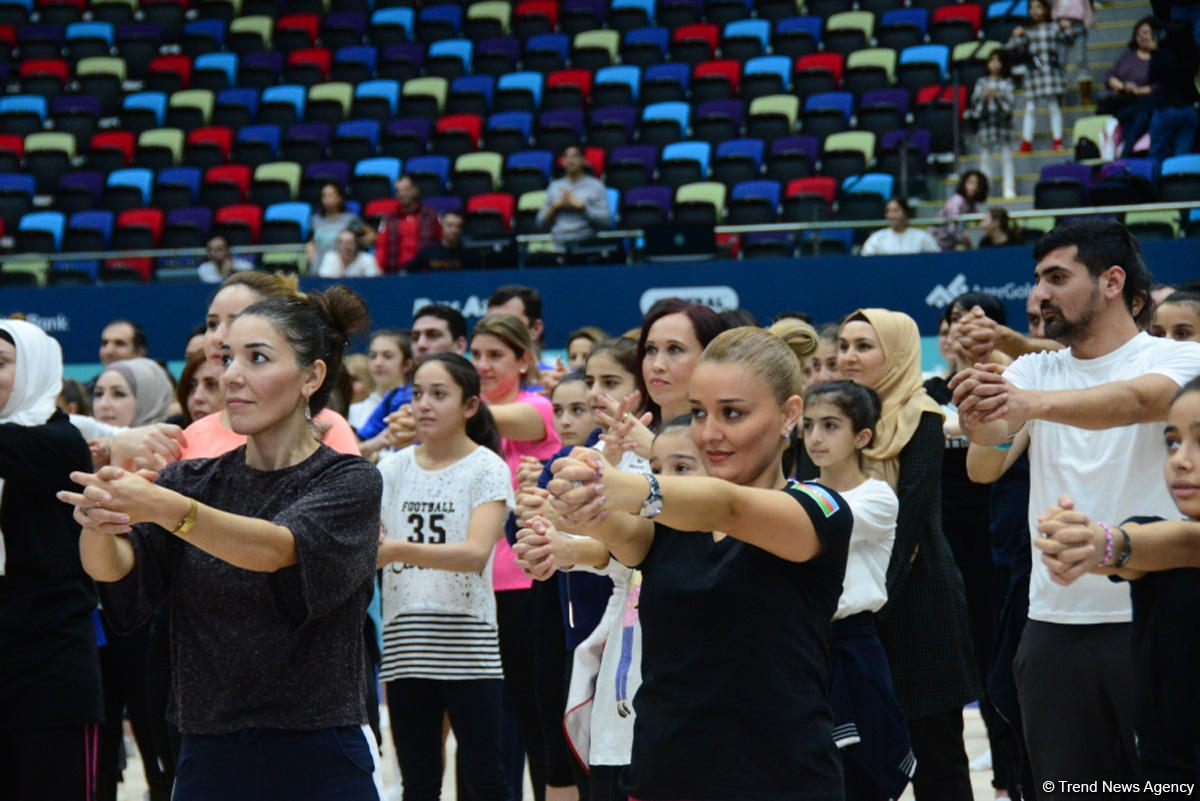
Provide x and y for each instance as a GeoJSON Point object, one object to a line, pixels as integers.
{"type": "Point", "coordinates": [798, 335]}
{"type": "Point", "coordinates": [344, 309]}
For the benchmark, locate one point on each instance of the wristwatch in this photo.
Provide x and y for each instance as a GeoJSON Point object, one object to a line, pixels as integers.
{"type": "Point", "coordinates": [653, 505]}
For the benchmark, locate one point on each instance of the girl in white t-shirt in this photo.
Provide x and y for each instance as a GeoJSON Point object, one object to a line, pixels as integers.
{"type": "Point", "coordinates": [444, 505]}
{"type": "Point", "coordinates": [869, 726]}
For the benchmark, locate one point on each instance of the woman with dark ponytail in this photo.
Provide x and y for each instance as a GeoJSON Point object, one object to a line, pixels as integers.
{"type": "Point", "coordinates": [444, 505]}
{"type": "Point", "coordinates": [268, 554]}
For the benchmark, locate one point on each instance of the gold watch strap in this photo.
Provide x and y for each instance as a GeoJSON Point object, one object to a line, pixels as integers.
{"type": "Point", "coordinates": [189, 520]}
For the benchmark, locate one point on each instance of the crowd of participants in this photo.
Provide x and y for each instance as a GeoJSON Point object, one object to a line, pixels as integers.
{"type": "Point", "coordinates": [701, 559]}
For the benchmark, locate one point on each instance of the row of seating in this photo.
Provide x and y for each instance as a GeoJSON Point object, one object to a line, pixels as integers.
{"type": "Point", "coordinates": [488, 214]}
{"type": "Point", "coordinates": [383, 99]}
{"type": "Point", "coordinates": [1074, 184]}
{"type": "Point", "coordinates": [113, 186]}
{"type": "Point", "coordinates": [287, 28]}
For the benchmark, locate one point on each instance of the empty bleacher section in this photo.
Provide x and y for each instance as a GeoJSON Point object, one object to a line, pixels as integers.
{"type": "Point", "coordinates": [144, 124]}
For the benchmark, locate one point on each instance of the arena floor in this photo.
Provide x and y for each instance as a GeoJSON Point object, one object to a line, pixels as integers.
{"type": "Point", "coordinates": [134, 787]}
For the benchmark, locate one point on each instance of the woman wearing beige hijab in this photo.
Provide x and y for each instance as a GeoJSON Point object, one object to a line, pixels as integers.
{"type": "Point", "coordinates": [924, 624]}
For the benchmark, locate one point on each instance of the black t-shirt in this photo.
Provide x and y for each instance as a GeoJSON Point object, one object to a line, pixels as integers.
{"type": "Point", "coordinates": [1166, 655]}
{"type": "Point", "coordinates": [49, 668]}
{"type": "Point", "coordinates": [280, 650]}
{"type": "Point", "coordinates": [735, 665]}
{"type": "Point", "coordinates": [438, 258]}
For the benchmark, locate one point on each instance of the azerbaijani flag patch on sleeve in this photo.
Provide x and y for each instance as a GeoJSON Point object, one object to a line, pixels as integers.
{"type": "Point", "coordinates": [823, 497]}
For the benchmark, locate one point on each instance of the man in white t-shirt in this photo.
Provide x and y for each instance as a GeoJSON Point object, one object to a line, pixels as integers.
{"type": "Point", "coordinates": [1094, 412]}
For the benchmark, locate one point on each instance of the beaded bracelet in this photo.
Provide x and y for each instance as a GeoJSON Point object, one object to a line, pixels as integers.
{"type": "Point", "coordinates": [1108, 545]}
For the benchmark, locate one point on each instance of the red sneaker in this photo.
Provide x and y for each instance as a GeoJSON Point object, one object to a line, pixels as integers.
{"type": "Point", "coordinates": [1058, 146]}
{"type": "Point", "coordinates": [1026, 147]}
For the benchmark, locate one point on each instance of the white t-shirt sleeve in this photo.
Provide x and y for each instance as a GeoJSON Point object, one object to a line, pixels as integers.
{"type": "Point", "coordinates": [1024, 371]}
{"type": "Point", "coordinates": [871, 246]}
{"type": "Point", "coordinates": [928, 244]}
{"type": "Point", "coordinates": [491, 480]}
{"type": "Point", "coordinates": [875, 508]}
{"type": "Point", "coordinates": [1178, 361]}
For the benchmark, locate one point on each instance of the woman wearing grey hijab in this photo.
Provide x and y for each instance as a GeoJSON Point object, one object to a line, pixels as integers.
{"type": "Point", "coordinates": [132, 392]}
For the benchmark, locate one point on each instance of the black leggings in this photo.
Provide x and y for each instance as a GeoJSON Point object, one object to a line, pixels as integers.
{"type": "Point", "coordinates": [514, 616]}
{"type": "Point", "coordinates": [123, 664]}
{"type": "Point", "coordinates": [416, 708]}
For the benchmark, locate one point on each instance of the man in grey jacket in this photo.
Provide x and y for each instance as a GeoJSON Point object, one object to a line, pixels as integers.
{"type": "Point", "coordinates": [576, 205]}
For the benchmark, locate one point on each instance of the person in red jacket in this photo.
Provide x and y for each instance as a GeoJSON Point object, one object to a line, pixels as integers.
{"type": "Point", "coordinates": [403, 236]}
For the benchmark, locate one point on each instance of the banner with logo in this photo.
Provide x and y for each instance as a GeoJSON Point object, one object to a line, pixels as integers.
{"type": "Point", "coordinates": [614, 298]}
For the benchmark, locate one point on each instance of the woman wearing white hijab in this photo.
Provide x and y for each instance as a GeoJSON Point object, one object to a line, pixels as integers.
{"type": "Point", "coordinates": [49, 673]}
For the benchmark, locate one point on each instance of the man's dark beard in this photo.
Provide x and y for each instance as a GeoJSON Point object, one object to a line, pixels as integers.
{"type": "Point", "coordinates": [1065, 331]}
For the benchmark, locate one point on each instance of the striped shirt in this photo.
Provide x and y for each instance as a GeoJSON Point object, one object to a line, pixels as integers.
{"type": "Point", "coordinates": [432, 645]}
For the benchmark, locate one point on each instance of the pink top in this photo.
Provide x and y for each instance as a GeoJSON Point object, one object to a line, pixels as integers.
{"type": "Point", "coordinates": [207, 437]}
{"type": "Point", "coordinates": [505, 573]}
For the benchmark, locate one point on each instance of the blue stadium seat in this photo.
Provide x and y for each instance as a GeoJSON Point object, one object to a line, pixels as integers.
{"type": "Point", "coordinates": [40, 232]}
{"type": "Point", "coordinates": [616, 86]}
{"type": "Point", "coordinates": [754, 202]}
{"type": "Point", "coordinates": [519, 91]}
{"type": "Point", "coordinates": [684, 163]}
{"type": "Point", "coordinates": [377, 100]}
{"type": "Point", "coordinates": [285, 223]}
{"type": "Point", "coordinates": [385, 22]}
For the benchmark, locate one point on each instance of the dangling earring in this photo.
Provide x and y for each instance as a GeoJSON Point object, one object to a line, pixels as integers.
{"type": "Point", "coordinates": [307, 410]}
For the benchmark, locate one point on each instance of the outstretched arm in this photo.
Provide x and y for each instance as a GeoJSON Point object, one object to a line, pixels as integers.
{"type": "Point", "coordinates": [766, 518]}
{"type": "Point", "coordinates": [471, 556]}
{"type": "Point", "coordinates": [117, 499]}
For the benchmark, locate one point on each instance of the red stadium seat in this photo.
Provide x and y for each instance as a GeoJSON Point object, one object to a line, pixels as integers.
{"type": "Point", "coordinates": [225, 185]}
{"type": "Point", "coordinates": [495, 205]}
{"type": "Point", "coordinates": [214, 142]}
{"type": "Point", "coordinates": [169, 73]}
{"type": "Point", "coordinates": [240, 224]}
{"type": "Point", "coordinates": [119, 142]}
{"type": "Point", "coordinates": [821, 185]}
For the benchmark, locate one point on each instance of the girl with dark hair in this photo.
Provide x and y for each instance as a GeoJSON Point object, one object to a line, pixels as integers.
{"type": "Point", "coordinates": [968, 197]}
{"type": "Point", "coordinates": [992, 103]}
{"type": "Point", "coordinates": [924, 625]}
{"type": "Point", "coordinates": [898, 238]}
{"type": "Point", "coordinates": [869, 726]}
{"type": "Point", "coordinates": [444, 505]}
{"type": "Point", "coordinates": [1177, 317]}
{"type": "Point", "coordinates": [1042, 46]}
{"type": "Point", "coordinates": [267, 554]}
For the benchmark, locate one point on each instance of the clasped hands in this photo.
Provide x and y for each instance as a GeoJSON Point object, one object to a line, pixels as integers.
{"type": "Point", "coordinates": [112, 499]}
{"type": "Point", "coordinates": [1071, 544]}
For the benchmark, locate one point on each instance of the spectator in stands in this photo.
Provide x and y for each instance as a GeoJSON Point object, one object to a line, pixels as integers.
{"type": "Point", "coordinates": [446, 254]}
{"type": "Point", "coordinates": [898, 239]}
{"type": "Point", "coordinates": [348, 259]}
{"type": "Point", "coordinates": [998, 229]}
{"type": "Point", "coordinates": [121, 339]}
{"type": "Point", "coordinates": [1080, 15]}
{"type": "Point", "coordinates": [971, 194]}
{"type": "Point", "coordinates": [1128, 82]}
{"type": "Point", "coordinates": [1173, 73]}
{"type": "Point", "coordinates": [330, 220]}
{"type": "Point", "coordinates": [221, 261]}
{"type": "Point", "coordinates": [403, 236]}
{"type": "Point", "coordinates": [1042, 48]}
{"type": "Point", "coordinates": [992, 102]}
{"type": "Point", "coordinates": [576, 204]}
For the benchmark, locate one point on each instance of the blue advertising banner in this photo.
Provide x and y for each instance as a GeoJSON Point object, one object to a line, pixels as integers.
{"type": "Point", "coordinates": [613, 298]}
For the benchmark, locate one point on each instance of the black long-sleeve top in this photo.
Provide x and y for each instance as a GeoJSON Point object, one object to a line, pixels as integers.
{"type": "Point", "coordinates": [49, 667]}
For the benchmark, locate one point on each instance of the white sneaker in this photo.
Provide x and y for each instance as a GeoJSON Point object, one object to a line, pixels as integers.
{"type": "Point", "coordinates": [983, 761]}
